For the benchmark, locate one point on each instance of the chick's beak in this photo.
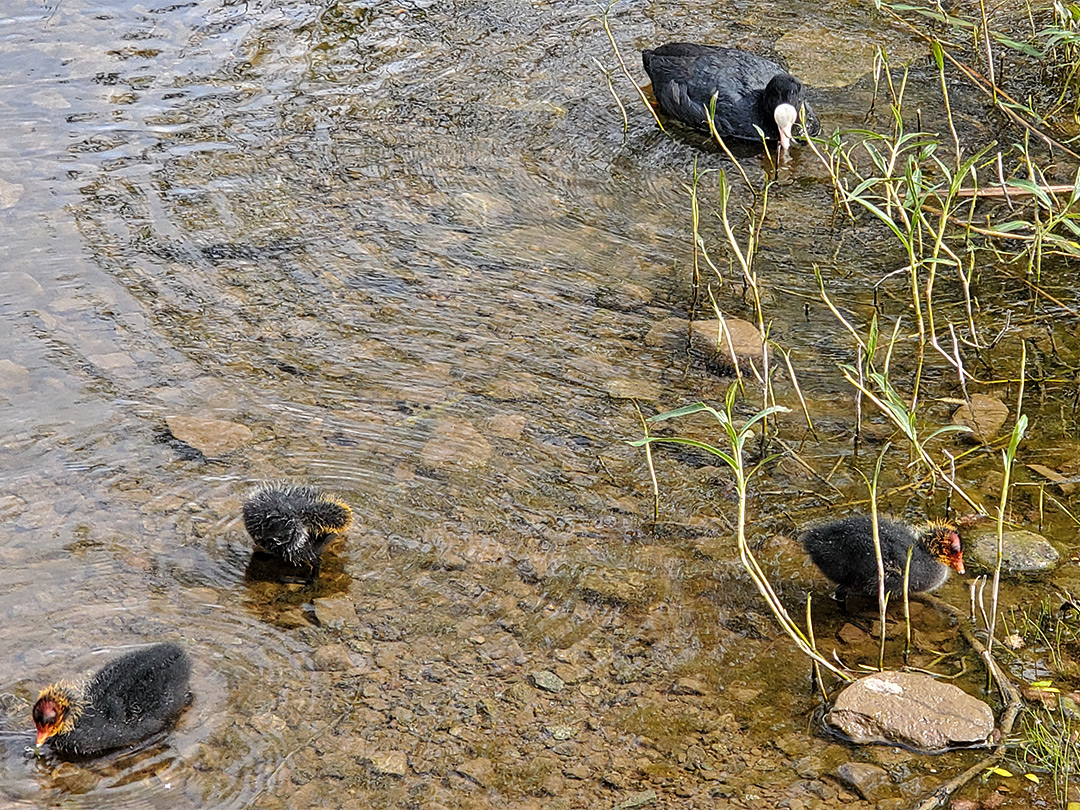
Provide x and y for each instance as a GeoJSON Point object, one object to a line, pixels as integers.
{"type": "Point", "coordinates": [957, 562]}
{"type": "Point", "coordinates": [42, 735]}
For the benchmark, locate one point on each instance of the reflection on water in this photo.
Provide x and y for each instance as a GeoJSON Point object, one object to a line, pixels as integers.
{"type": "Point", "coordinates": [411, 248]}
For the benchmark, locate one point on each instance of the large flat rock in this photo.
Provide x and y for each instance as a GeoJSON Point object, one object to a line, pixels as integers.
{"type": "Point", "coordinates": [1022, 552]}
{"type": "Point", "coordinates": [912, 709]}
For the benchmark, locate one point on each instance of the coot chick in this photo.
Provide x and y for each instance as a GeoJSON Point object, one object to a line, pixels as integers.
{"type": "Point", "coordinates": [130, 699]}
{"type": "Point", "coordinates": [844, 551]}
{"type": "Point", "coordinates": [750, 91]}
{"type": "Point", "coordinates": [294, 522]}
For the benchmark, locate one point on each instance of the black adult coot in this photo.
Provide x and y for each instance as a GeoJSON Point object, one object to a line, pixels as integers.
{"type": "Point", "coordinates": [750, 91]}
{"type": "Point", "coordinates": [844, 551]}
{"type": "Point", "coordinates": [130, 699]}
{"type": "Point", "coordinates": [294, 522]}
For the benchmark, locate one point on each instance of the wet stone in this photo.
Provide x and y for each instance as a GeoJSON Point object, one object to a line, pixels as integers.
{"type": "Point", "coordinates": [506, 425]}
{"type": "Point", "coordinates": [641, 799]}
{"type": "Point", "coordinates": [985, 416]}
{"type": "Point", "coordinates": [869, 781]}
{"type": "Point", "coordinates": [625, 297]}
{"type": "Point", "coordinates": [624, 588]}
{"type": "Point", "coordinates": [689, 686]}
{"type": "Point", "coordinates": [571, 674]}
{"type": "Point", "coordinates": [332, 658]}
{"type": "Point", "coordinates": [112, 361]}
{"type": "Point", "coordinates": [1023, 552]}
{"type": "Point", "coordinates": [794, 746]}
{"type": "Point", "coordinates": [669, 333]}
{"type": "Point", "coordinates": [211, 437]}
{"type": "Point", "coordinates": [335, 611]}
{"type": "Point", "coordinates": [632, 388]}
{"type": "Point", "coordinates": [547, 680]}
{"type": "Point", "coordinates": [456, 444]}
{"type": "Point", "coordinates": [268, 723]}
{"type": "Point", "coordinates": [717, 343]}
{"type": "Point", "coordinates": [11, 506]}
{"type": "Point", "coordinates": [10, 193]}
{"type": "Point", "coordinates": [12, 375]}
{"type": "Point", "coordinates": [391, 763]}
{"type": "Point", "coordinates": [850, 634]}
{"type": "Point", "coordinates": [479, 770]}
{"type": "Point", "coordinates": [480, 209]}
{"type": "Point", "coordinates": [580, 772]}
{"type": "Point", "coordinates": [911, 709]}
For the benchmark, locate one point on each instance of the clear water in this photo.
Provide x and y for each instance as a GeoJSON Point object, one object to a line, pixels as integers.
{"type": "Point", "coordinates": [411, 248]}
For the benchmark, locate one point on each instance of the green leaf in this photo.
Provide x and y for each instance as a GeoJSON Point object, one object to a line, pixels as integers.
{"type": "Point", "coordinates": [685, 410]}
{"type": "Point", "coordinates": [700, 445]}
{"type": "Point", "coordinates": [1035, 190]}
{"type": "Point", "coordinates": [949, 429]}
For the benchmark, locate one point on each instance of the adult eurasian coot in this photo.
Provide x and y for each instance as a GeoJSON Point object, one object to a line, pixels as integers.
{"type": "Point", "coordinates": [751, 92]}
{"type": "Point", "coordinates": [844, 551]}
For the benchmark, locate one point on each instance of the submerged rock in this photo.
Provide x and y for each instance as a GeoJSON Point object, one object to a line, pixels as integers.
{"type": "Point", "coordinates": [390, 763]}
{"type": "Point", "coordinates": [869, 781]}
{"type": "Point", "coordinates": [10, 193]}
{"type": "Point", "coordinates": [211, 437]}
{"type": "Point", "coordinates": [624, 297]}
{"type": "Point", "coordinates": [1022, 552]}
{"type": "Point", "coordinates": [718, 344]}
{"type": "Point", "coordinates": [985, 416]}
{"type": "Point", "coordinates": [455, 444]}
{"type": "Point", "coordinates": [547, 680]}
{"type": "Point", "coordinates": [479, 770]}
{"type": "Point", "coordinates": [912, 709]}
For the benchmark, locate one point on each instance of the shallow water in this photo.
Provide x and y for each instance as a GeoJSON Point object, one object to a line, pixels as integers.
{"type": "Point", "coordinates": [409, 246]}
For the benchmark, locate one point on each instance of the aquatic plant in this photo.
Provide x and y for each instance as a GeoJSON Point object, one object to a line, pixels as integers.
{"type": "Point", "coordinates": [1052, 744]}
{"type": "Point", "coordinates": [737, 435]}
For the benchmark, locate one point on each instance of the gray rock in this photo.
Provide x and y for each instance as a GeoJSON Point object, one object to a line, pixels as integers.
{"type": "Point", "coordinates": [869, 781]}
{"type": "Point", "coordinates": [1023, 552]}
{"type": "Point", "coordinates": [548, 681]}
{"type": "Point", "coordinates": [911, 709]}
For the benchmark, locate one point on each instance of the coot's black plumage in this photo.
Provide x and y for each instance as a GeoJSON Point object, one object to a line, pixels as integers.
{"type": "Point", "coordinates": [130, 699]}
{"type": "Point", "coordinates": [750, 91]}
{"type": "Point", "coordinates": [294, 521]}
{"type": "Point", "coordinates": [844, 551]}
